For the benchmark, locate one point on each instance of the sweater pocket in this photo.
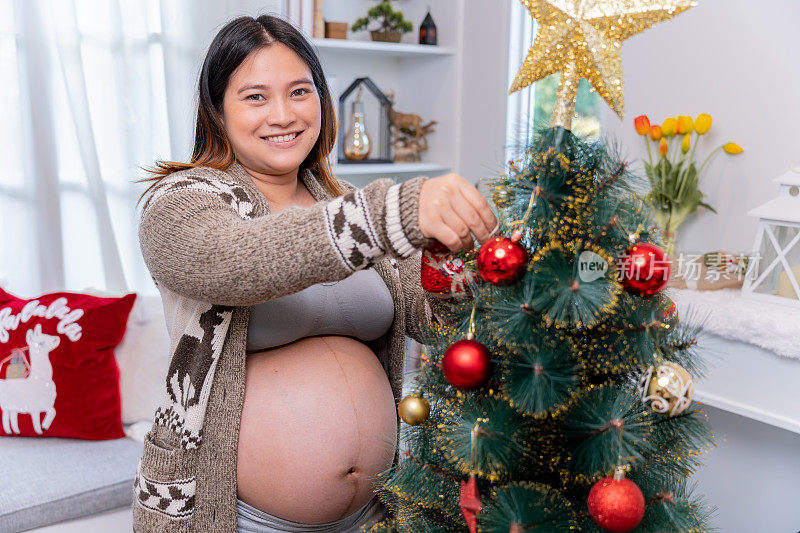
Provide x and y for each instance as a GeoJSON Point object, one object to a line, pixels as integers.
{"type": "Point", "coordinates": [164, 488]}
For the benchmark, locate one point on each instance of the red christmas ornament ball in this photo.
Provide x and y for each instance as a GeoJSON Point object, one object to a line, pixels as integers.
{"type": "Point", "coordinates": [645, 269]}
{"type": "Point", "coordinates": [616, 505]}
{"type": "Point", "coordinates": [467, 364]}
{"type": "Point", "coordinates": [501, 260]}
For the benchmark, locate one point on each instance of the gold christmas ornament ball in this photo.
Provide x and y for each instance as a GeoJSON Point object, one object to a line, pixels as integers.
{"type": "Point", "coordinates": [668, 388]}
{"type": "Point", "coordinates": [414, 409]}
{"type": "Point", "coordinates": [501, 197]}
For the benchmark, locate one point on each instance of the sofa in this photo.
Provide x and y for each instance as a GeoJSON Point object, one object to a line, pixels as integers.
{"type": "Point", "coordinates": [58, 485]}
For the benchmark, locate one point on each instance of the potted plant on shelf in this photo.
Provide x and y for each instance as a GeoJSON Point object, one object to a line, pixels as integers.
{"type": "Point", "coordinates": [392, 24]}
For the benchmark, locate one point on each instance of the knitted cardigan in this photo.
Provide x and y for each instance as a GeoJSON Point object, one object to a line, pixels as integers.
{"type": "Point", "coordinates": [213, 250]}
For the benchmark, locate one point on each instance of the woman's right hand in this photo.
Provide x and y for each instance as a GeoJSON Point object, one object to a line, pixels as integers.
{"type": "Point", "coordinates": [451, 210]}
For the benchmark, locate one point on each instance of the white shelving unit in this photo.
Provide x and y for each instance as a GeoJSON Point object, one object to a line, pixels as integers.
{"type": "Point", "coordinates": [357, 169]}
{"type": "Point", "coordinates": [393, 50]}
{"type": "Point", "coordinates": [424, 78]}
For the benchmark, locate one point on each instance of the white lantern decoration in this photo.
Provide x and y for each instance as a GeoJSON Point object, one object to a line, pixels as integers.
{"type": "Point", "coordinates": [773, 273]}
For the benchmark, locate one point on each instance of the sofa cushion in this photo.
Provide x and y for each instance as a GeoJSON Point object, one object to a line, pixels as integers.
{"type": "Point", "coordinates": [46, 481]}
{"type": "Point", "coordinates": [142, 357]}
{"type": "Point", "coordinates": [58, 374]}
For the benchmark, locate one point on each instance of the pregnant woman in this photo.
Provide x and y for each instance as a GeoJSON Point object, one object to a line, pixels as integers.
{"type": "Point", "coordinates": [287, 295]}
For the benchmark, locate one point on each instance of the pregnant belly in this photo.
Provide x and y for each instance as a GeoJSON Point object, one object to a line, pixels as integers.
{"type": "Point", "coordinates": [318, 422]}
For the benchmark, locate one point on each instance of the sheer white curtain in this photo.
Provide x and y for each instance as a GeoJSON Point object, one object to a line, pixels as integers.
{"type": "Point", "coordinates": [520, 111]}
{"type": "Point", "coordinates": [90, 91]}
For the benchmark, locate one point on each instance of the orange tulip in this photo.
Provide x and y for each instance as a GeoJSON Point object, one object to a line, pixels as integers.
{"type": "Point", "coordinates": [642, 124]}
{"type": "Point", "coordinates": [685, 125]}
{"type": "Point", "coordinates": [662, 147]}
{"type": "Point", "coordinates": [668, 127]}
{"type": "Point", "coordinates": [655, 132]}
{"type": "Point", "coordinates": [733, 148]}
{"type": "Point", "coordinates": [686, 142]}
{"type": "Point", "coordinates": [702, 124]}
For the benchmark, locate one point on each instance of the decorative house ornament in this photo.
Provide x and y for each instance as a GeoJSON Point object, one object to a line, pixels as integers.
{"type": "Point", "coordinates": [349, 124]}
{"type": "Point", "coordinates": [773, 272]}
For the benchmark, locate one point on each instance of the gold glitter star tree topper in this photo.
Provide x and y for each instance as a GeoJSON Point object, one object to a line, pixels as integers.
{"type": "Point", "coordinates": [581, 39]}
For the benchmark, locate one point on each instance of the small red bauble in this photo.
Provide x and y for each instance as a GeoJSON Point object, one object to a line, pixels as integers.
{"type": "Point", "coordinates": [502, 260]}
{"type": "Point", "coordinates": [644, 269]}
{"type": "Point", "coordinates": [467, 364]}
{"type": "Point", "coordinates": [616, 504]}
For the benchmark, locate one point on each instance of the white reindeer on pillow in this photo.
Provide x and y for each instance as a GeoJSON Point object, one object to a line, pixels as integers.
{"type": "Point", "coordinates": [36, 393]}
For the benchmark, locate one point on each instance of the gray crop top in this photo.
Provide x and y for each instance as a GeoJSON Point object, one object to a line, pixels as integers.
{"type": "Point", "coordinates": [358, 306]}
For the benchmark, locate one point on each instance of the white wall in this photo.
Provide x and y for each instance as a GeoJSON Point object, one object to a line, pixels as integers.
{"type": "Point", "coordinates": [739, 61]}
{"type": "Point", "coordinates": [183, 62]}
{"type": "Point", "coordinates": [485, 88]}
{"type": "Point", "coordinates": [751, 476]}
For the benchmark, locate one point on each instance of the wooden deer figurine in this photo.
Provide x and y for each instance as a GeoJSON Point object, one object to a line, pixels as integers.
{"type": "Point", "coordinates": [404, 120]}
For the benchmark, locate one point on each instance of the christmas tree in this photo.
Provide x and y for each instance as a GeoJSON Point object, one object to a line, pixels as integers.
{"type": "Point", "coordinates": [555, 394]}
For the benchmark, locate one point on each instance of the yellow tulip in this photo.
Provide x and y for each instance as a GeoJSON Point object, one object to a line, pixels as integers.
{"type": "Point", "coordinates": [662, 147]}
{"type": "Point", "coordinates": [702, 124]}
{"type": "Point", "coordinates": [733, 148]}
{"type": "Point", "coordinates": [686, 142]}
{"type": "Point", "coordinates": [685, 125]}
{"type": "Point", "coordinates": [668, 127]}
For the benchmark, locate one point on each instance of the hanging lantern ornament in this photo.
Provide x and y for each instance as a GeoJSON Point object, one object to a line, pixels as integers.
{"type": "Point", "coordinates": [414, 409]}
{"type": "Point", "coordinates": [616, 503]}
{"type": "Point", "coordinates": [467, 364]}
{"type": "Point", "coordinates": [427, 30]}
{"type": "Point", "coordinates": [644, 269]}
{"type": "Point", "coordinates": [668, 388]}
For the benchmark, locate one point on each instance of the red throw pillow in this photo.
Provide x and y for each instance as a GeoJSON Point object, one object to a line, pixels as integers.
{"type": "Point", "coordinates": [58, 374]}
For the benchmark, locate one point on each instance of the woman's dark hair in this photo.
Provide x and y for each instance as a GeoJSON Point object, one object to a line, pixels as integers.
{"type": "Point", "coordinates": [234, 42]}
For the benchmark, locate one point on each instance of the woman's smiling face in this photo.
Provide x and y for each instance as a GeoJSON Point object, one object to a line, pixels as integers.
{"type": "Point", "coordinates": [271, 111]}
